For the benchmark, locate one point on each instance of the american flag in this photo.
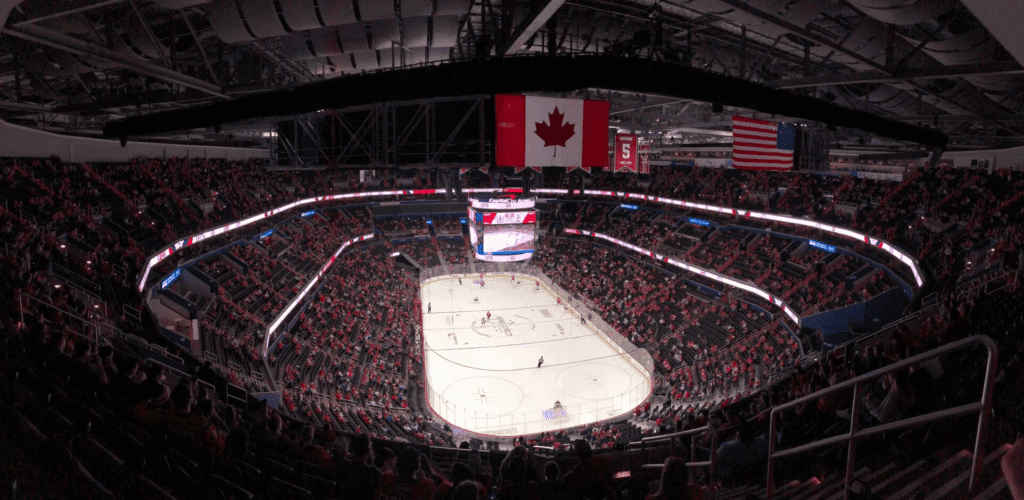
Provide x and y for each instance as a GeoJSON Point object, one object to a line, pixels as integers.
{"type": "Point", "coordinates": [762, 145]}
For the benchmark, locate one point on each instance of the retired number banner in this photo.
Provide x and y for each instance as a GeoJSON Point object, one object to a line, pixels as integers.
{"type": "Point", "coordinates": [645, 159]}
{"type": "Point", "coordinates": [626, 153]}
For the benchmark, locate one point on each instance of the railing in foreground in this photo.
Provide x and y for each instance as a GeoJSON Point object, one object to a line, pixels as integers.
{"type": "Point", "coordinates": [692, 463]}
{"type": "Point", "coordinates": [982, 408]}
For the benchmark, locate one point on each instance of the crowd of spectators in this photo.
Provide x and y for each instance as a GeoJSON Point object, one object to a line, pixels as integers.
{"type": "Point", "coordinates": [347, 357]}
{"type": "Point", "coordinates": [121, 213]}
{"type": "Point", "coordinates": [855, 162]}
{"type": "Point", "coordinates": [402, 226]}
{"type": "Point", "coordinates": [447, 224]}
{"type": "Point", "coordinates": [709, 347]}
{"type": "Point", "coordinates": [453, 248]}
{"type": "Point", "coordinates": [423, 251]}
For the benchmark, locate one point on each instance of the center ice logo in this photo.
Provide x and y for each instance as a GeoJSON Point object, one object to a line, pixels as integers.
{"type": "Point", "coordinates": [498, 326]}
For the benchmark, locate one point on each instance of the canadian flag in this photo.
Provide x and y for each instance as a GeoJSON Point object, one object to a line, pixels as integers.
{"type": "Point", "coordinates": [548, 132]}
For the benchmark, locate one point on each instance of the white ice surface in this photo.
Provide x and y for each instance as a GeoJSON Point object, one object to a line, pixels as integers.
{"type": "Point", "coordinates": [483, 376]}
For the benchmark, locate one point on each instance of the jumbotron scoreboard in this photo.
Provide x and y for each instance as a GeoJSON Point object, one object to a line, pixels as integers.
{"type": "Point", "coordinates": [503, 228]}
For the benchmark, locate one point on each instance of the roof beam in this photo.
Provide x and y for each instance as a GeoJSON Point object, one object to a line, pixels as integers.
{"type": "Point", "coordinates": [957, 118]}
{"type": "Point", "coordinates": [531, 24]}
{"type": "Point", "coordinates": [698, 131]}
{"type": "Point", "coordinates": [64, 13]}
{"type": "Point", "coordinates": [664, 102]}
{"type": "Point", "coordinates": [73, 45]}
{"type": "Point", "coordinates": [1002, 20]}
{"type": "Point", "coordinates": [743, 6]}
{"type": "Point", "coordinates": [26, 106]}
{"type": "Point", "coordinates": [999, 68]}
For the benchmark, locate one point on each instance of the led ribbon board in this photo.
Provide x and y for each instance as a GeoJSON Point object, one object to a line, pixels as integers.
{"type": "Point", "coordinates": [841, 231]}
{"type": "Point", "coordinates": [696, 270]}
{"type": "Point", "coordinates": [309, 286]}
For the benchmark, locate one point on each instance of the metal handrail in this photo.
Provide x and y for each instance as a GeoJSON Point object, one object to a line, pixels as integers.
{"type": "Point", "coordinates": [91, 324]}
{"type": "Point", "coordinates": [983, 408]}
{"type": "Point", "coordinates": [692, 463]}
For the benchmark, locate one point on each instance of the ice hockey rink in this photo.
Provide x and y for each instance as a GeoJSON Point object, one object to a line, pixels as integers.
{"type": "Point", "coordinates": [482, 373]}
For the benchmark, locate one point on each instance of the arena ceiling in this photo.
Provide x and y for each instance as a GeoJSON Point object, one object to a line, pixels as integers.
{"type": "Point", "coordinates": [956, 65]}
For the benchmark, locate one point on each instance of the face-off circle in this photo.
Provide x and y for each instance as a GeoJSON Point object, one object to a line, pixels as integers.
{"type": "Point", "coordinates": [593, 380]}
{"type": "Point", "coordinates": [486, 395]}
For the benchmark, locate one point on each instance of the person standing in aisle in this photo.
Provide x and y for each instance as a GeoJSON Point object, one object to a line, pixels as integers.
{"type": "Point", "coordinates": [540, 361]}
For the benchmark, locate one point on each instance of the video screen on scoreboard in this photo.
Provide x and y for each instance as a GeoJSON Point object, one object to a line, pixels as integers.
{"type": "Point", "coordinates": [502, 236]}
{"type": "Point", "coordinates": [502, 240]}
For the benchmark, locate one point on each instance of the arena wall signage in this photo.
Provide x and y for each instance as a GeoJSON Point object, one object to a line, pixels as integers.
{"type": "Point", "coordinates": [170, 279]}
{"type": "Point", "coordinates": [822, 246]}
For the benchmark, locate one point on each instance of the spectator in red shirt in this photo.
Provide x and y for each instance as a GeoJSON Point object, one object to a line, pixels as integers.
{"type": "Point", "coordinates": [592, 478]}
{"type": "Point", "coordinates": [408, 482]}
{"type": "Point", "coordinates": [277, 440]}
{"type": "Point", "coordinates": [310, 452]}
{"type": "Point", "coordinates": [673, 484]}
{"type": "Point", "coordinates": [515, 485]}
{"type": "Point", "coordinates": [467, 490]}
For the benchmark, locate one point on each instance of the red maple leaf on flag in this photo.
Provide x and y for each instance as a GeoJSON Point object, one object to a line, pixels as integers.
{"type": "Point", "coordinates": [556, 133]}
